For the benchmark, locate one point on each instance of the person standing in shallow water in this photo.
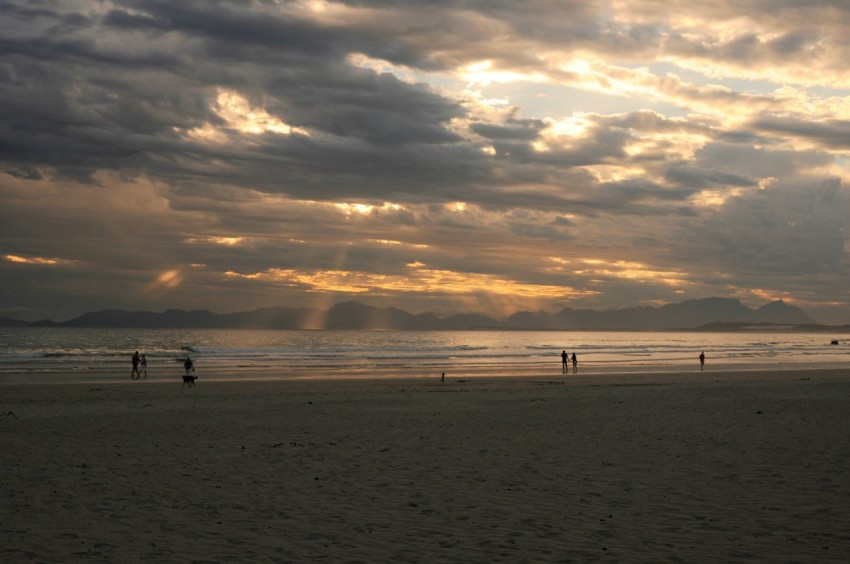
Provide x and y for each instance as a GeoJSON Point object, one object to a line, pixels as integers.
{"type": "Point", "coordinates": [134, 375]}
{"type": "Point", "coordinates": [564, 357]}
{"type": "Point", "coordinates": [701, 360]}
{"type": "Point", "coordinates": [575, 363]}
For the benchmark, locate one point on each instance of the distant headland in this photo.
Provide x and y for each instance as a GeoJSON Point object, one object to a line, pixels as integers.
{"type": "Point", "coordinates": [709, 314]}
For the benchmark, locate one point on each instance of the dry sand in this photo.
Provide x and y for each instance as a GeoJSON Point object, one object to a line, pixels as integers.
{"type": "Point", "coordinates": [714, 467]}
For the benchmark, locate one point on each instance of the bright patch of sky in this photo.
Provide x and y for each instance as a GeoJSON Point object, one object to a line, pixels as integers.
{"type": "Point", "coordinates": [555, 101]}
{"type": "Point", "coordinates": [535, 99]}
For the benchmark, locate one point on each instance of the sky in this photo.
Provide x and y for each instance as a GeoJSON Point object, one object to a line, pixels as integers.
{"type": "Point", "coordinates": [440, 156]}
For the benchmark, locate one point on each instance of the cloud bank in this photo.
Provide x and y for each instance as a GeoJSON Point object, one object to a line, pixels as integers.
{"type": "Point", "coordinates": [445, 156]}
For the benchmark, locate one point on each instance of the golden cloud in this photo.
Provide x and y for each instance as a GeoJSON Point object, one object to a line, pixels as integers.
{"type": "Point", "coordinates": [418, 280]}
{"type": "Point", "coordinates": [239, 115]}
{"type": "Point", "coordinates": [167, 280]}
{"type": "Point", "coordinates": [628, 270]}
{"type": "Point", "coordinates": [42, 261]}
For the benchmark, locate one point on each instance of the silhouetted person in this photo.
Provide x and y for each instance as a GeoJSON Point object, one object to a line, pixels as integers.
{"type": "Point", "coordinates": [575, 363]}
{"type": "Point", "coordinates": [564, 357]}
{"type": "Point", "coordinates": [144, 366]}
{"type": "Point", "coordinates": [187, 379]}
{"type": "Point", "coordinates": [134, 375]}
{"type": "Point", "coordinates": [701, 360]}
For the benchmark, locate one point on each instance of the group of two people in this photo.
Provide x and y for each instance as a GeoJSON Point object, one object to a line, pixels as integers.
{"type": "Point", "coordinates": [140, 366]}
{"type": "Point", "coordinates": [565, 358]}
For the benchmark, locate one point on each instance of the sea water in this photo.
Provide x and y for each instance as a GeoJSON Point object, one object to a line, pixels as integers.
{"type": "Point", "coordinates": [64, 351]}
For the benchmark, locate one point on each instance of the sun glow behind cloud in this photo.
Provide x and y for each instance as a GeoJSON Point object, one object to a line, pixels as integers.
{"type": "Point", "coordinates": [238, 113]}
{"type": "Point", "coordinates": [715, 198]}
{"type": "Point", "coordinates": [350, 210]}
{"type": "Point", "coordinates": [393, 243]}
{"type": "Point", "coordinates": [167, 280]}
{"type": "Point", "coordinates": [218, 240]}
{"type": "Point", "coordinates": [773, 295]}
{"type": "Point", "coordinates": [41, 261]}
{"type": "Point", "coordinates": [629, 270]}
{"type": "Point", "coordinates": [240, 116]}
{"type": "Point", "coordinates": [484, 73]}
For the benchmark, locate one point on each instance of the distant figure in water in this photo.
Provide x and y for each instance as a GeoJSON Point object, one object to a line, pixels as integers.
{"type": "Point", "coordinates": [575, 363]}
{"type": "Point", "coordinates": [134, 375]}
{"type": "Point", "coordinates": [564, 357]}
{"type": "Point", "coordinates": [701, 360]}
{"type": "Point", "coordinates": [144, 365]}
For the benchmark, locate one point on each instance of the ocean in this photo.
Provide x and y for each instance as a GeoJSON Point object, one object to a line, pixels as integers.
{"type": "Point", "coordinates": [61, 353]}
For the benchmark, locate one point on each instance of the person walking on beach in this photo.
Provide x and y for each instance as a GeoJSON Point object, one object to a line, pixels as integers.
{"type": "Point", "coordinates": [144, 366]}
{"type": "Point", "coordinates": [134, 375]}
{"type": "Point", "coordinates": [187, 379]}
{"type": "Point", "coordinates": [702, 360]}
{"type": "Point", "coordinates": [575, 363]}
{"type": "Point", "coordinates": [564, 357]}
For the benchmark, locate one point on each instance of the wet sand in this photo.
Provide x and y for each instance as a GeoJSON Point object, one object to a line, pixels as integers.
{"type": "Point", "coordinates": [729, 467]}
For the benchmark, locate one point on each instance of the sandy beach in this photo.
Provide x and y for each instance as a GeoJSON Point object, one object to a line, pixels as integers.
{"type": "Point", "coordinates": [668, 467]}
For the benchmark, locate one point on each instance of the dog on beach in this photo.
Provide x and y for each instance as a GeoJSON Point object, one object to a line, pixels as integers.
{"type": "Point", "coordinates": [189, 380]}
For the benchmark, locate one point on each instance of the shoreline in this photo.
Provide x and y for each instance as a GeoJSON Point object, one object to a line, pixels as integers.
{"type": "Point", "coordinates": [451, 373]}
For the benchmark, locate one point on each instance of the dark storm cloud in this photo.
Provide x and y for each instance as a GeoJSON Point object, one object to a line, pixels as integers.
{"type": "Point", "coordinates": [78, 105]}
{"type": "Point", "coordinates": [297, 65]}
{"type": "Point", "coordinates": [780, 231]}
{"type": "Point", "coordinates": [752, 49]}
{"type": "Point", "coordinates": [746, 160]}
{"type": "Point", "coordinates": [630, 192]}
{"type": "Point", "coordinates": [644, 121]}
{"type": "Point", "coordinates": [832, 134]}
{"type": "Point", "coordinates": [512, 129]}
{"type": "Point", "coordinates": [693, 177]}
{"type": "Point", "coordinates": [86, 105]}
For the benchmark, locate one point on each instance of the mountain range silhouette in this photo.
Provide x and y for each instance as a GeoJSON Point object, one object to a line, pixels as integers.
{"type": "Point", "coordinates": [706, 314]}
